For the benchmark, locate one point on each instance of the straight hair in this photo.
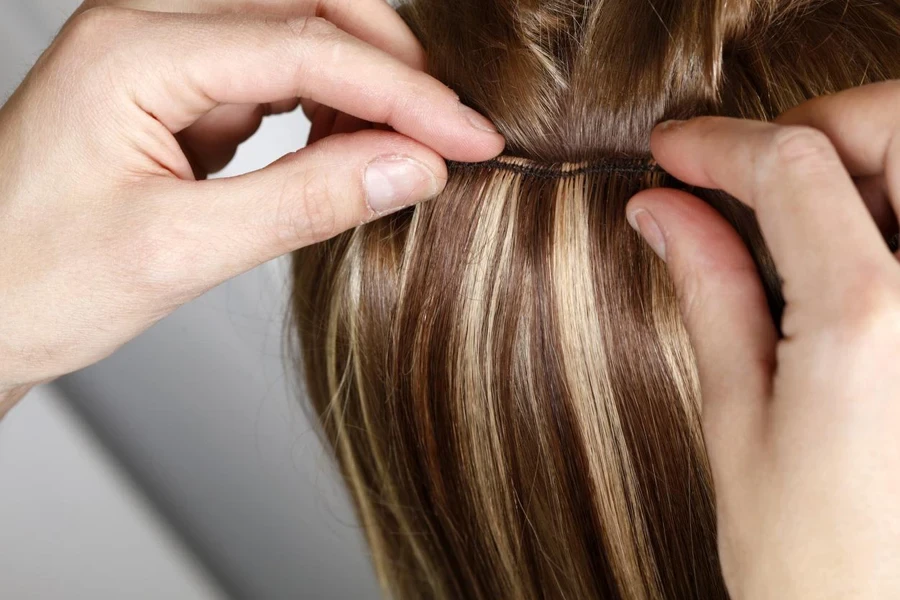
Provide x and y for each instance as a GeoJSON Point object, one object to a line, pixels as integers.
{"type": "Point", "coordinates": [502, 373]}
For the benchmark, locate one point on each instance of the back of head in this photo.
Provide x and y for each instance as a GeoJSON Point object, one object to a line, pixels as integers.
{"type": "Point", "coordinates": [502, 372]}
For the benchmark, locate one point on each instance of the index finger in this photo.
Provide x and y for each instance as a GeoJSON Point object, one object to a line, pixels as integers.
{"type": "Point", "coordinates": [863, 123]}
{"type": "Point", "coordinates": [201, 61]}
{"type": "Point", "coordinates": [819, 231]}
{"type": "Point", "coordinates": [373, 21]}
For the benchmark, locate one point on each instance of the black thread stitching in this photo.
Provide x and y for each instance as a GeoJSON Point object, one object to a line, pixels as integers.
{"type": "Point", "coordinates": [558, 171]}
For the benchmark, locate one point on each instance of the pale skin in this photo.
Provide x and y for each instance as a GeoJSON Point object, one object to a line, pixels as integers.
{"type": "Point", "coordinates": [105, 225]}
{"type": "Point", "coordinates": [108, 225]}
{"type": "Point", "coordinates": [803, 432]}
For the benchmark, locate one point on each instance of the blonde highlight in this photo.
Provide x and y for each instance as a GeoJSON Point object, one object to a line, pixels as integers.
{"type": "Point", "coordinates": [503, 373]}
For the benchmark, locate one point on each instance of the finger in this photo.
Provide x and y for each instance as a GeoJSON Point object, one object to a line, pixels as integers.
{"type": "Point", "coordinates": [373, 21]}
{"type": "Point", "coordinates": [863, 124]}
{"type": "Point", "coordinates": [809, 210]}
{"type": "Point", "coordinates": [304, 198]}
{"type": "Point", "coordinates": [724, 308]}
{"type": "Point", "coordinates": [230, 60]}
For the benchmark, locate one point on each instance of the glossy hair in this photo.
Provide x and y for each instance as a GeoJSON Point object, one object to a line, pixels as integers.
{"type": "Point", "coordinates": [502, 373]}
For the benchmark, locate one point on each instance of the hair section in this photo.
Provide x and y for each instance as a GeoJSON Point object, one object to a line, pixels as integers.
{"type": "Point", "coordinates": [502, 373]}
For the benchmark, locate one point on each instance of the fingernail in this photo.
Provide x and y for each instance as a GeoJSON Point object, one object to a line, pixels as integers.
{"type": "Point", "coordinates": [477, 120]}
{"type": "Point", "coordinates": [395, 182]}
{"type": "Point", "coordinates": [644, 223]}
{"type": "Point", "coordinates": [669, 125]}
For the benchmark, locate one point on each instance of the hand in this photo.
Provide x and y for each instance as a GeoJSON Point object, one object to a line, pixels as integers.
{"type": "Point", "coordinates": [105, 226]}
{"type": "Point", "coordinates": [803, 432]}
{"type": "Point", "coordinates": [211, 142]}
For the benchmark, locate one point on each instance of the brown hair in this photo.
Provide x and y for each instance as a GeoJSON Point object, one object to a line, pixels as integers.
{"type": "Point", "coordinates": [502, 372]}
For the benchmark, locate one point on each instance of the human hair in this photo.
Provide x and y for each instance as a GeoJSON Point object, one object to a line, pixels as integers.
{"type": "Point", "coordinates": [502, 373]}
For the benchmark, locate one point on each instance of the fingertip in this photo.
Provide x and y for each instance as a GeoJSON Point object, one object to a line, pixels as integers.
{"type": "Point", "coordinates": [667, 201]}
{"type": "Point", "coordinates": [668, 126]}
{"type": "Point", "coordinates": [693, 230]}
{"type": "Point", "coordinates": [475, 138]}
{"type": "Point", "coordinates": [396, 171]}
{"type": "Point", "coordinates": [659, 213]}
{"type": "Point", "coordinates": [643, 222]}
{"type": "Point", "coordinates": [664, 129]}
{"type": "Point", "coordinates": [661, 138]}
{"type": "Point", "coordinates": [643, 199]}
{"type": "Point", "coordinates": [680, 147]}
{"type": "Point", "coordinates": [491, 147]}
{"type": "Point", "coordinates": [474, 151]}
{"type": "Point", "coordinates": [395, 182]}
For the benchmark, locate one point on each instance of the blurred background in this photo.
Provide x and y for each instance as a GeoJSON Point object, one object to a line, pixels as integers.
{"type": "Point", "coordinates": [183, 466]}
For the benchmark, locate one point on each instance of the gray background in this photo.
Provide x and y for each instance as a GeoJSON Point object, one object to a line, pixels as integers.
{"type": "Point", "coordinates": [202, 413]}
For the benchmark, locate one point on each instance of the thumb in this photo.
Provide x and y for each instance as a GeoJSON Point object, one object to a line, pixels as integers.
{"type": "Point", "coordinates": [723, 305]}
{"type": "Point", "coordinates": [316, 193]}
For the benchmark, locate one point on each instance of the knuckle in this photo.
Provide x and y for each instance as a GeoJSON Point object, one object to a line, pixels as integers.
{"type": "Point", "coordinates": [95, 39]}
{"type": "Point", "coordinates": [869, 311]}
{"type": "Point", "coordinates": [306, 210]}
{"type": "Point", "coordinates": [801, 148]}
{"type": "Point", "coordinates": [313, 41]}
{"type": "Point", "coordinates": [96, 25]}
{"type": "Point", "coordinates": [312, 28]}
